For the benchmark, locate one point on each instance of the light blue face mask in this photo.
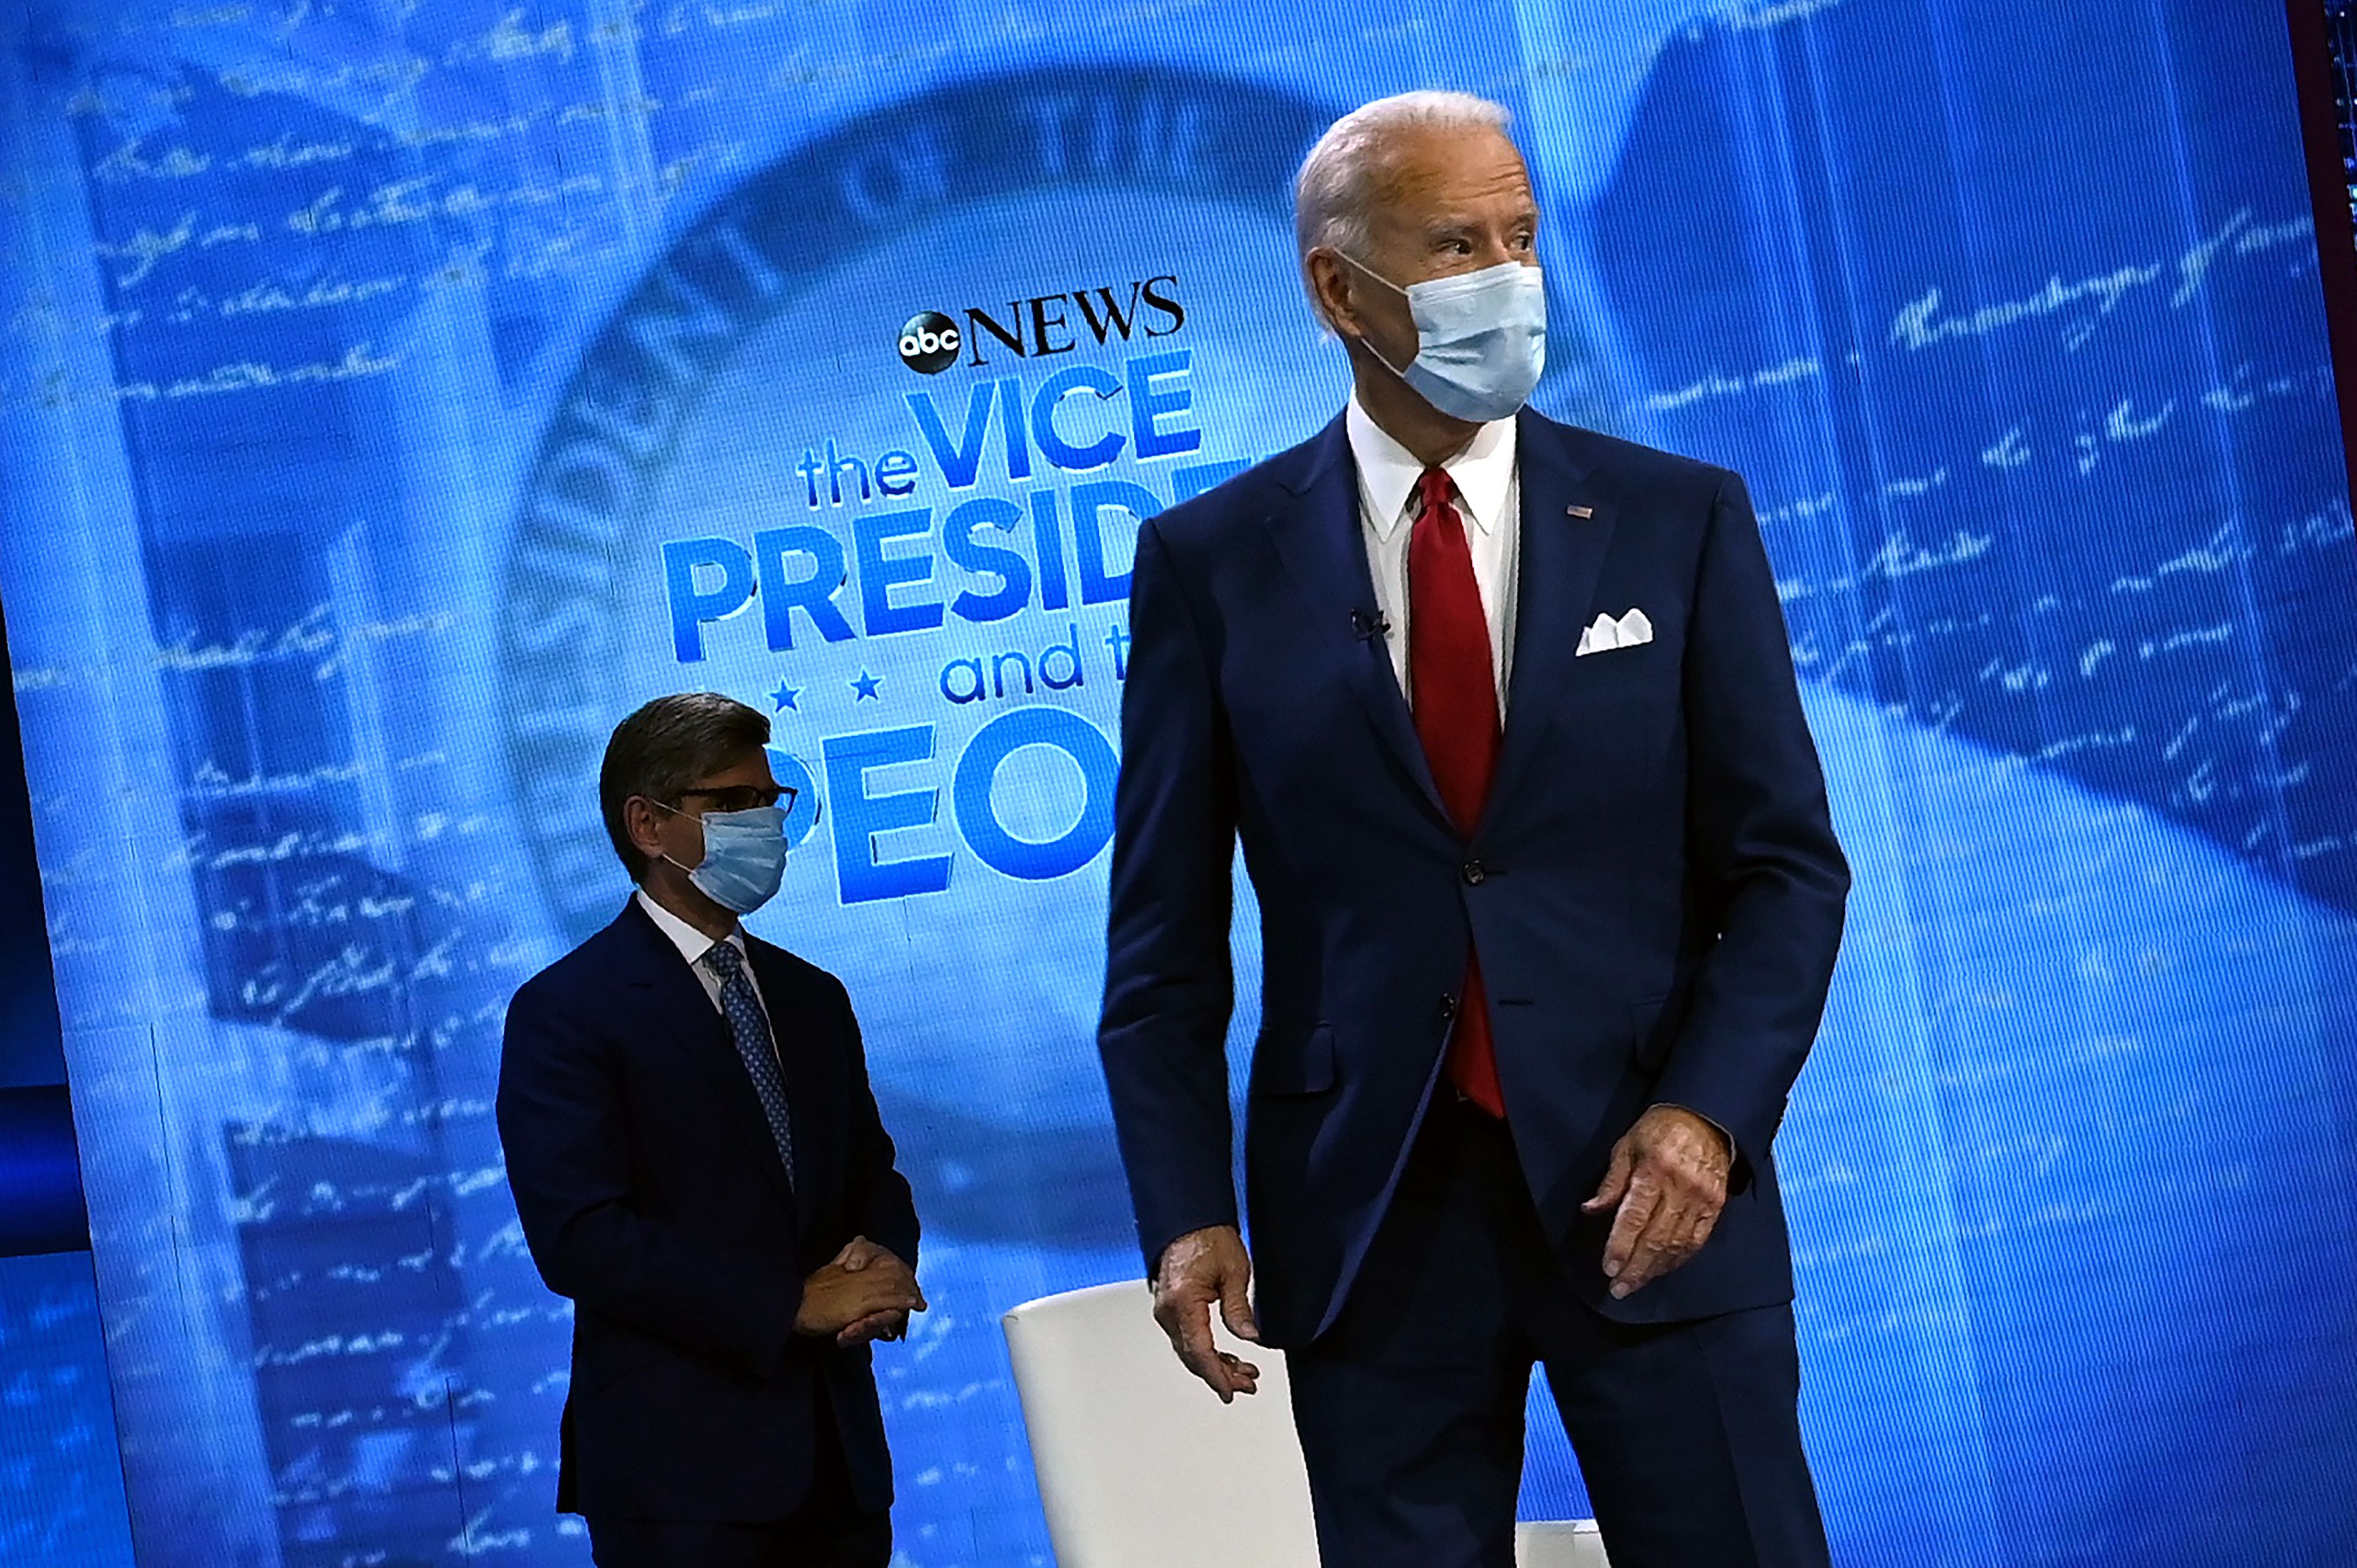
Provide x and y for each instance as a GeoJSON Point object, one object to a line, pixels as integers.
{"type": "Point", "coordinates": [744, 856]}
{"type": "Point", "coordinates": [1480, 338]}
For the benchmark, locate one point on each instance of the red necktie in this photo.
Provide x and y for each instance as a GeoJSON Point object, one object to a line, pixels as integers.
{"type": "Point", "coordinates": [1455, 701]}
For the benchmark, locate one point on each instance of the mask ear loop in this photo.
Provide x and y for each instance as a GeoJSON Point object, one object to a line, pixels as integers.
{"type": "Point", "coordinates": [1368, 343]}
{"type": "Point", "coordinates": [675, 811]}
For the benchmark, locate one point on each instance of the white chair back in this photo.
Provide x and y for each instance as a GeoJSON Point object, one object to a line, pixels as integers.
{"type": "Point", "coordinates": [1140, 1467]}
{"type": "Point", "coordinates": [1139, 1464]}
{"type": "Point", "coordinates": [1559, 1543]}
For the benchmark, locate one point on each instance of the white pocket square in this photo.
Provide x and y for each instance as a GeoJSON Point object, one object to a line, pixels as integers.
{"type": "Point", "coordinates": [1631, 630]}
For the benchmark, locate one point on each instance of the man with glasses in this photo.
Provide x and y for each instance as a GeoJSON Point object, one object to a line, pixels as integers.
{"type": "Point", "coordinates": [699, 1166]}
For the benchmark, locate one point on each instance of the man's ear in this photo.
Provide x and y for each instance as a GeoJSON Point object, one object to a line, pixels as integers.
{"type": "Point", "coordinates": [642, 822]}
{"type": "Point", "coordinates": [1330, 277]}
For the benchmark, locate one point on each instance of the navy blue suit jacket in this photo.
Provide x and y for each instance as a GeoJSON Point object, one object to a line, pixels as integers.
{"type": "Point", "coordinates": [652, 1194]}
{"type": "Point", "coordinates": [1655, 887]}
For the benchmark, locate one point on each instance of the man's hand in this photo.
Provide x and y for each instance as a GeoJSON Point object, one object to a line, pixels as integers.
{"type": "Point", "coordinates": [1669, 1176]}
{"type": "Point", "coordinates": [893, 1324]}
{"type": "Point", "coordinates": [864, 1292]}
{"type": "Point", "coordinates": [1200, 1268]}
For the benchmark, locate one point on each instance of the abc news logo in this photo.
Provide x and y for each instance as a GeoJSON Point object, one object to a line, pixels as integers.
{"type": "Point", "coordinates": [929, 342]}
{"type": "Point", "coordinates": [1047, 324]}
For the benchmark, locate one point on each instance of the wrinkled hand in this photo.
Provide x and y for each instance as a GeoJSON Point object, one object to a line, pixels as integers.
{"type": "Point", "coordinates": [891, 1324]}
{"type": "Point", "coordinates": [864, 1292]}
{"type": "Point", "coordinates": [1197, 1270]}
{"type": "Point", "coordinates": [1669, 1176]}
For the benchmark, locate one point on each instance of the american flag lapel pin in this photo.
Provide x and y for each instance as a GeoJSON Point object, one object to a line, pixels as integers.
{"type": "Point", "coordinates": [1582, 511]}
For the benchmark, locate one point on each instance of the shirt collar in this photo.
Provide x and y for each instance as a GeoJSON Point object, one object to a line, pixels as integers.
{"type": "Point", "coordinates": [1389, 473]}
{"type": "Point", "coordinates": [692, 943]}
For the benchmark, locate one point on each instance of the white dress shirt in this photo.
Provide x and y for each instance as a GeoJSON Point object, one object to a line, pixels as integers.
{"type": "Point", "coordinates": [693, 945]}
{"type": "Point", "coordinates": [1488, 498]}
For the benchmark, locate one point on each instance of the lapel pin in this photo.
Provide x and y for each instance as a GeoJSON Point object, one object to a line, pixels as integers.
{"type": "Point", "coordinates": [1580, 512]}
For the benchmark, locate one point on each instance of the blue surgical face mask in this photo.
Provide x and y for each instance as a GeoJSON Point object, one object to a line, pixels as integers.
{"type": "Point", "coordinates": [744, 856]}
{"type": "Point", "coordinates": [1480, 338]}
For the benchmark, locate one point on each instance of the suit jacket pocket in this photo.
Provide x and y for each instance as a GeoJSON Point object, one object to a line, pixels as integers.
{"type": "Point", "coordinates": [1654, 1028]}
{"type": "Point", "coordinates": [1286, 1063]}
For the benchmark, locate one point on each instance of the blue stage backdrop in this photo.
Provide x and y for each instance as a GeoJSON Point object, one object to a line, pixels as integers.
{"type": "Point", "coordinates": [391, 395]}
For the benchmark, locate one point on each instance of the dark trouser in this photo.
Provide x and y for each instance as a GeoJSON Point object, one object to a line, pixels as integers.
{"type": "Point", "coordinates": [828, 1529]}
{"type": "Point", "coordinates": [1410, 1407]}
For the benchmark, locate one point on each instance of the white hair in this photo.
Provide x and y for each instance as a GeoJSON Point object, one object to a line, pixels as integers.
{"type": "Point", "coordinates": [1336, 187]}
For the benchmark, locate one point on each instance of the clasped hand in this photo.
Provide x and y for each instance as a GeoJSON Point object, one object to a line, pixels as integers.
{"type": "Point", "coordinates": [866, 1293]}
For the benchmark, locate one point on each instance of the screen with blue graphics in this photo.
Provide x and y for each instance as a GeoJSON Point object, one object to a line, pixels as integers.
{"type": "Point", "coordinates": [394, 395]}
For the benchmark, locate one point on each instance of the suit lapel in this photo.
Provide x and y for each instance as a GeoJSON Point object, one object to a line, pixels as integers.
{"type": "Point", "coordinates": [1569, 517]}
{"type": "Point", "coordinates": [676, 1001]}
{"type": "Point", "coordinates": [1320, 543]}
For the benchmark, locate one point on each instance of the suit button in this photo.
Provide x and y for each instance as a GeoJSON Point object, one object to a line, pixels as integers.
{"type": "Point", "coordinates": [1447, 1006]}
{"type": "Point", "coordinates": [1474, 873]}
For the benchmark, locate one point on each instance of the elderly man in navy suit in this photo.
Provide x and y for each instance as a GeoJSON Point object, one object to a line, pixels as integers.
{"type": "Point", "coordinates": [1504, 714]}
{"type": "Point", "coordinates": [698, 1165]}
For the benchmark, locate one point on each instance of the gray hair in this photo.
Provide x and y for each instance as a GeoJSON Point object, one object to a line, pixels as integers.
{"type": "Point", "coordinates": [664, 747]}
{"type": "Point", "coordinates": [1332, 193]}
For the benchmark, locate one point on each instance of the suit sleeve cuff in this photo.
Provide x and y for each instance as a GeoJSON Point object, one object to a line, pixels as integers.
{"type": "Point", "coordinates": [776, 1331]}
{"type": "Point", "coordinates": [1157, 1242]}
{"type": "Point", "coordinates": [1739, 1168]}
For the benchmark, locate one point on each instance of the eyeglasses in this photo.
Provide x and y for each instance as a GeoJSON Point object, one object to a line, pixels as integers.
{"type": "Point", "coordinates": [746, 797]}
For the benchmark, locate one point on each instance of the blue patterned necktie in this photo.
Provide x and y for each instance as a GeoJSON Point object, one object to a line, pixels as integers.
{"type": "Point", "coordinates": [752, 1031]}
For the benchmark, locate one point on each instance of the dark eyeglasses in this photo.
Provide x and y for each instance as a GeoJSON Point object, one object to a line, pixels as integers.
{"type": "Point", "coordinates": [745, 797]}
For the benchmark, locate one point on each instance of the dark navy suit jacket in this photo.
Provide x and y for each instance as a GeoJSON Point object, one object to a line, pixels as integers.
{"type": "Point", "coordinates": [652, 1194]}
{"type": "Point", "coordinates": [1655, 887]}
